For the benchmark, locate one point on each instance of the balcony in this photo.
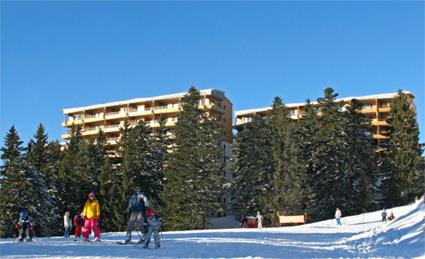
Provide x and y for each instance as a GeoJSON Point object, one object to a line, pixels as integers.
{"type": "Point", "coordinates": [93, 118]}
{"type": "Point", "coordinates": [113, 141]}
{"type": "Point", "coordinates": [376, 122]}
{"type": "Point", "coordinates": [115, 115]}
{"type": "Point", "coordinates": [66, 136]}
{"type": "Point", "coordinates": [380, 136]}
{"type": "Point", "coordinates": [90, 131]}
{"type": "Point", "coordinates": [70, 123]}
{"type": "Point", "coordinates": [210, 106]}
{"type": "Point", "coordinates": [140, 112]}
{"type": "Point", "coordinates": [368, 109]}
{"type": "Point", "coordinates": [165, 109]}
{"type": "Point", "coordinates": [111, 128]}
{"type": "Point", "coordinates": [384, 108]}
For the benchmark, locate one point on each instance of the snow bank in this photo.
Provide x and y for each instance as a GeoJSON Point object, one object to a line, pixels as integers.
{"type": "Point", "coordinates": [360, 236]}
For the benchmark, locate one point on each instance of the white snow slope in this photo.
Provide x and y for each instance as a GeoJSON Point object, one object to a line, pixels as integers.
{"type": "Point", "coordinates": [360, 236]}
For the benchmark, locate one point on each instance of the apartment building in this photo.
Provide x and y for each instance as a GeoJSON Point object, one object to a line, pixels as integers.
{"type": "Point", "coordinates": [110, 117]}
{"type": "Point", "coordinates": [376, 107]}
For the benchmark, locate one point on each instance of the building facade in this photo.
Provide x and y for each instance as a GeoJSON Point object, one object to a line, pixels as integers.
{"type": "Point", "coordinates": [110, 117]}
{"type": "Point", "coordinates": [376, 107]}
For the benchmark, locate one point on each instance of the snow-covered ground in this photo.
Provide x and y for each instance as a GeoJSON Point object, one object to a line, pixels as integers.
{"type": "Point", "coordinates": [360, 236]}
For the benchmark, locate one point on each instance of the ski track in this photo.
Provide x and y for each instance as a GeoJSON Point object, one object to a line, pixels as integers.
{"type": "Point", "coordinates": [360, 236]}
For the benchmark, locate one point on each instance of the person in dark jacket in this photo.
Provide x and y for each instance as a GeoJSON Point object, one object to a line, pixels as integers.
{"type": "Point", "coordinates": [25, 226]}
{"type": "Point", "coordinates": [136, 206]}
{"type": "Point", "coordinates": [78, 225]}
{"type": "Point", "coordinates": [384, 216]}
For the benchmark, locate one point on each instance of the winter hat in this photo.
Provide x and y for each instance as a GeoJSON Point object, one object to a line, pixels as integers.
{"type": "Point", "coordinates": [23, 214]}
{"type": "Point", "coordinates": [150, 213]}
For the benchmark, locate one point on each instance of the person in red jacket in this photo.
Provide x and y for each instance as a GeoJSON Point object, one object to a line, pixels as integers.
{"type": "Point", "coordinates": [78, 224]}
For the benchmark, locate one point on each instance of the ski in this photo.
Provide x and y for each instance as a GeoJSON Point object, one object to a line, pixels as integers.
{"type": "Point", "coordinates": [129, 243]}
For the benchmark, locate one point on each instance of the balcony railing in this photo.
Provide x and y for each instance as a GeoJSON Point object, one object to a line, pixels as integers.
{"type": "Point", "coordinates": [111, 126]}
{"type": "Point", "coordinates": [92, 128]}
{"type": "Point", "coordinates": [89, 116]}
{"type": "Point", "coordinates": [114, 113]}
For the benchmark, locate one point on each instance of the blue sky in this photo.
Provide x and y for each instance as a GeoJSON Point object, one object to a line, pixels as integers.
{"type": "Point", "coordinates": [58, 55]}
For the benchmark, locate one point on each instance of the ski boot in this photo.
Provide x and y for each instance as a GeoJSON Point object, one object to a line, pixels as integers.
{"type": "Point", "coordinates": [157, 245]}
{"type": "Point", "coordinates": [146, 244]}
{"type": "Point", "coordinates": [97, 239]}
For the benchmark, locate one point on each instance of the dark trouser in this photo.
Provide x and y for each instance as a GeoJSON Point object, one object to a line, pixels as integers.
{"type": "Point", "coordinates": [135, 217]}
{"type": "Point", "coordinates": [25, 232]}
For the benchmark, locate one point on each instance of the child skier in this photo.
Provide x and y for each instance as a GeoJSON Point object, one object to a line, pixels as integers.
{"type": "Point", "coordinates": [25, 226]}
{"type": "Point", "coordinates": [154, 225]}
{"type": "Point", "coordinates": [91, 213]}
{"type": "Point", "coordinates": [78, 224]}
{"type": "Point", "coordinates": [67, 223]}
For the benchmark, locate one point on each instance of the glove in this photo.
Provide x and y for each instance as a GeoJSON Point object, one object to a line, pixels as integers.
{"type": "Point", "coordinates": [18, 225]}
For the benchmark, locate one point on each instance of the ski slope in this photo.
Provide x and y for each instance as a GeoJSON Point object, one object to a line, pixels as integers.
{"type": "Point", "coordinates": [360, 236]}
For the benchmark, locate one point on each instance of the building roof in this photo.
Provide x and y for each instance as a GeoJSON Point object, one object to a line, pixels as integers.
{"type": "Point", "coordinates": [215, 92]}
{"type": "Point", "coordinates": [345, 99]}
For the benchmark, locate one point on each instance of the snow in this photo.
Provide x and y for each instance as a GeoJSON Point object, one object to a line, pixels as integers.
{"type": "Point", "coordinates": [361, 236]}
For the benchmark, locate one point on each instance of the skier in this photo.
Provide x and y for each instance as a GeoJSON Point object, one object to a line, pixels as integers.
{"type": "Point", "coordinates": [78, 224]}
{"type": "Point", "coordinates": [91, 214]}
{"type": "Point", "coordinates": [136, 206]}
{"type": "Point", "coordinates": [338, 216]}
{"type": "Point", "coordinates": [259, 219]}
{"type": "Point", "coordinates": [154, 225]}
{"type": "Point", "coordinates": [67, 223]}
{"type": "Point", "coordinates": [384, 216]}
{"type": "Point", "coordinates": [391, 216]}
{"type": "Point", "coordinates": [25, 226]}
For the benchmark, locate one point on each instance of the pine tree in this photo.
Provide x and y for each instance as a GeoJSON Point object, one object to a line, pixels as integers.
{"type": "Point", "coordinates": [96, 155]}
{"type": "Point", "coordinates": [404, 150]}
{"type": "Point", "coordinates": [360, 177]}
{"type": "Point", "coordinates": [194, 167]}
{"type": "Point", "coordinates": [12, 148]}
{"type": "Point", "coordinates": [22, 188]}
{"type": "Point", "coordinates": [74, 177]}
{"type": "Point", "coordinates": [11, 156]}
{"type": "Point", "coordinates": [107, 196]}
{"type": "Point", "coordinates": [330, 159]}
{"type": "Point", "coordinates": [309, 126]}
{"type": "Point", "coordinates": [253, 169]}
{"type": "Point", "coordinates": [40, 159]}
{"type": "Point", "coordinates": [37, 149]}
